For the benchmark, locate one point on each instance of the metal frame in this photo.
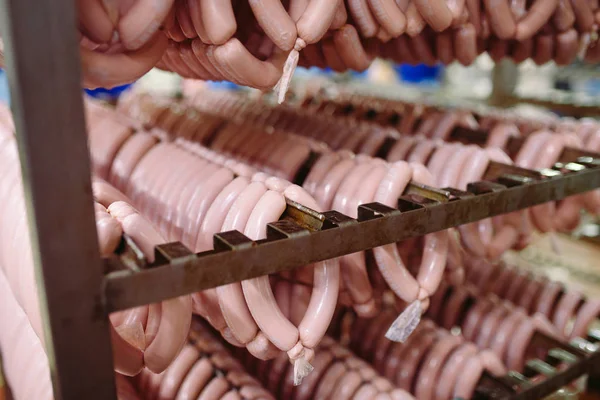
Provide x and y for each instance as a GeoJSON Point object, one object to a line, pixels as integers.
{"type": "Point", "coordinates": [76, 296]}
{"type": "Point", "coordinates": [42, 57]}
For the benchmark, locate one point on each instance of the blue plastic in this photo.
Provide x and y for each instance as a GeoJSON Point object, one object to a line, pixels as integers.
{"type": "Point", "coordinates": [107, 94]}
{"type": "Point", "coordinates": [4, 89]}
{"type": "Point", "coordinates": [419, 73]}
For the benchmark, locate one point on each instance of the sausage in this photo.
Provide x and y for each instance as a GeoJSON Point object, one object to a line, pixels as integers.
{"type": "Point", "coordinates": [388, 260]}
{"type": "Point", "coordinates": [96, 21]}
{"type": "Point", "coordinates": [350, 49]}
{"type": "Point", "coordinates": [584, 15]}
{"type": "Point", "coordinates": [430, 369]}
{"type": "Point", "coordinates": [340, 17]}
{"type": "Point", "coordinates": [444, 47]}
{"type": "Point", "coordinates": [218, 20]}
{"type": "Point", "coordinates": [564, 17]}
{"type": "Point", "coordinates": [361, 14]}
{"type": "Point", "coordinates": [585, 316]}
{"type": "Point", "coordinates": [141, 22]}
{"type": "Point", "coordinates": [389, 16]}
{"type": "Point", "coordinates": [109, 231]}
{"type": "Point", "coordinates": [419, 46]}
{"type": "Point", "coordinates": [522, 50]}
{"type": "Point", "coordinates": [465, 44]}
{"type": "Point", "coordinates": [454, 368]}
{"type": "Point", "coordinates": [544, 49]}
{"type": "Point", "coordinates": [353, 266]}
{"type": "Point", "coordinates": [566, 47]}
{"type": "Point", "coordinates": [316, 19]}
{"type": "Point", "coordinates": [325, 285]}
{"type": "Point", "coordinates": [436, 13]}
{"type": "Point", "coordinates": [275, 22]}
{"type": "Point", "coordinates": [500, 17]}
{"type": "Point", "coordinates": [260, 300]}
{"type": "Point", "coordinates": [109, 70]}
{"type": "Point", "coordinates": [231, 297]}
{"type": "Point", "coordinates": [537, 16]}
{"type": "Point", "coordinates": [258, 74]}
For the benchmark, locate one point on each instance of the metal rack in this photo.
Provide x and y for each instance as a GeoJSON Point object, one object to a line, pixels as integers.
{"type": "Point", "coordinates": [41, 42]}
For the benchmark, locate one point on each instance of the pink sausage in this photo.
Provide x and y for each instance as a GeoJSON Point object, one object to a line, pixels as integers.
{"type": "Point", "coordinates": [585, 316]}
{"type": "Point", "coordinates": [432, 364]}
{"type": "Point", "coordinates": [565, 310]}
{"type": "Point", "coordinates": [257, 291]}
{"type": "Point", "coordinates": [454, 368]}
{"type": "Point", "coordinates": [231, 297]}
{"type": "Point", "coordinates": [325, 285]}
{"type": "Point", "coordinates": [388, 260]}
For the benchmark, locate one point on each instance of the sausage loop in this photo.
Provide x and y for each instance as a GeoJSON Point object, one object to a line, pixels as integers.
{"type": "Point", "coordinates": [288, 70]}
{"type": "Point", "coordinates": [406, 323]}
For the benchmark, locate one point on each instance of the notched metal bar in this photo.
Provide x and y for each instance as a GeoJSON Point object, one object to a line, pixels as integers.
{"type": "Point", "coordinates": [538, 367]}
{"type": "Point", "coordinates": [570, 154]}
{"type": "Point", "coordinates": [409, 203]}
{"type": "Point", "coordinates": [589, 162]}
{"type": "Point", "coordinates": [492, 387]}
{"type": "Point", "coordinates": [496, 169]}
{"type": "Point", "coordinates": [431, 193]}
{"type": "Point", "coordinates": [285, 229]}
{"type": "Point", "coordinates": [335, 219]}
{"type": "Point", "coordinates": [550, 173]}
{"type": "Point", "coordinates": [483, 187]}
{"type": "Point", "coordinates": [303, 216]}
{"type": "Point", "coordinates": [172, 253]}
{"type": "Point", "coordinates": [131, 255]}
{"type": "Point", "coordinates": [510, 180]}
{"type": "Point", "coordinates": [457, 194]}
{"type": "Point", "coordinates": [568, 167]}
{"type": "Point", "coordinates": [370, 211]}
{"type": "Point", "coordinates": [232, 240]}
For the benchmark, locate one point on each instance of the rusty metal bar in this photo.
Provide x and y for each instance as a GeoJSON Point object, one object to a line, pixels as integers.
{"type": "Point", "coordinates": [337, 236]}
{"type": "Point", "coordinates": [44, 73]}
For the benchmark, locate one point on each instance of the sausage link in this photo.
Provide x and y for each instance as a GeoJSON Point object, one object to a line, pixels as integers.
{"type": "Point", "coordinates": [218, 20]}
{"type": "Point", "coordinates": [566, 47]}
{"type": "Point", "coordinates": [389, 15]}
{"type": "Point", "coordinates": [465, 44]}
{"type": "Point", "coordinates": [500, 18]}
{"type": "Point", "coordinates": [564, 16]}
{"type": "Point", "coordinates": [537, 16]}
{"type": "Point", "coordinates": [544, 49]}
{"type": "Point", "coordinates": [436, 12]}
{"type": "Point", "coordinates": [350, 48]}
{"type": "Point", "coordinates": [142, 22]}
{"type": "Point", "coordinates": [276, 23]}
{"type": "Point", "coordinates": [317, 18]}
{"type": "Point", "coordinates": [361, 14]}
{"type": "Point", "coordinates": [584, 15]}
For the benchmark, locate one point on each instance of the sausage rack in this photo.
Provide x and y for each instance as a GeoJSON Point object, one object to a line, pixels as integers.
{"type": "Point", "coordinates": [78, 290]}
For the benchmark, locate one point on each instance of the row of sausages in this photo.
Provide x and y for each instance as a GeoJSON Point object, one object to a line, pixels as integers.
{"type": "Point", "coordinates": [432, 364]}
{"type": "Point", "coordinates": [227, 136]}
{"type": "Point", "coordinates": [22, 344]}
{"type": "Point", "coordinates": [215, 202]}
{"type": "Point", "coordinates": [335, 181]}
{"type": "Point", "coordinates": [570, 312]}
{"type": "Point", "coordinates": [259, 43]}
{"type": "Point", "coordinates": [433, 126]}
{"type": "Point", "coordinates": [204, 369]}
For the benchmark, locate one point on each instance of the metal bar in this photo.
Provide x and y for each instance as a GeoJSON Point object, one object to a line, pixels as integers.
{"type": "Point", "coordinates": [560, 379]}
{"type": "Point", "coordinates": [45, 81]}
{"type": "Point", "coordinates": [125, 289]}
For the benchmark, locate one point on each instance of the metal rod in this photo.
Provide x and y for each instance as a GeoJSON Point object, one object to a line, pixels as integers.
{"type": "Point", "coordinates": [191, 273]}
{"type": "Point", "coordinates": [41, 49]}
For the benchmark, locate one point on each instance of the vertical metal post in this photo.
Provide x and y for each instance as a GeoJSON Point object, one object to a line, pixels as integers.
{"type": "Point", "coordinates": [41, 49]}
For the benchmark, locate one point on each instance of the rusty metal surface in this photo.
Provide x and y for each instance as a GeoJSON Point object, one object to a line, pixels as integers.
{"type": "Point", "coordinates": [304, 242]}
